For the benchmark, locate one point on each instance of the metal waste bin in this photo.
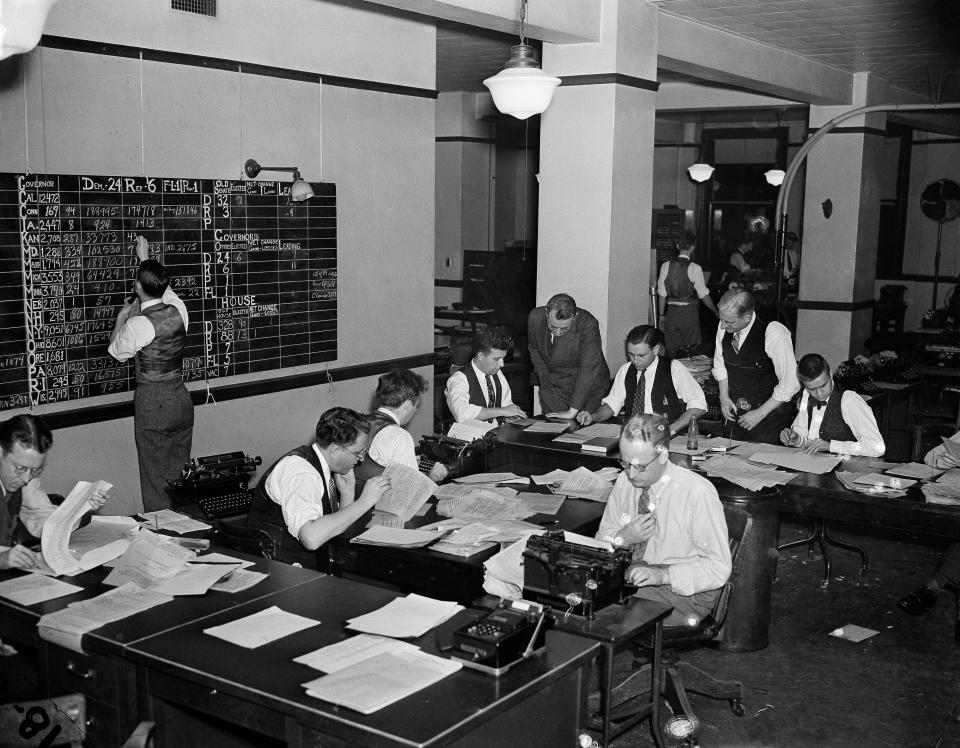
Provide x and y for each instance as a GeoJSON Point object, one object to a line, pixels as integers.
{"type": "Point", "coordinates": [747, 625]}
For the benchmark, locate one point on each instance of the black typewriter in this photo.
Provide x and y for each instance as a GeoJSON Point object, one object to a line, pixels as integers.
{"type": "Point", "coordinates": [217, 484]}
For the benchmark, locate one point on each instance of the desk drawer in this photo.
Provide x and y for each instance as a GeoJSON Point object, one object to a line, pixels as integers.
{"type": "Point", "coordinates": [96, 676]}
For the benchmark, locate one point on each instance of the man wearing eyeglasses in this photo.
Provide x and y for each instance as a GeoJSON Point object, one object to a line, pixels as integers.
{"type": "Point", "coordinates": [672, 519]}
{"type": "Point", "coordinates": [567, 357]}
{"type": "Point", "coordinates": [24, 508]}
{"type": "Point", "coordinates": [308, 496]}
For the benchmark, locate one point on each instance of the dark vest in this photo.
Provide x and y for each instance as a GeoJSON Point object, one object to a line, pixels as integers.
{"type": "Point", "coordinates": [678, 285]}
{"type": "Point", "coordinates": [266, 514]}
{"type": "Point", "coordinates": [478, 389]}
{"type": "Point", "coordinates": [833, 427]}
{"type": "Point", "coordinates": [750, 371]}
{"type": "Point", "coordinates": [162, 360]}
{"type": "Point", "coordinates": [370, 467]}
{"type": "Point", "coordinates": [663, 395]}
{"type": "Point", "coordinates": [10, 518]}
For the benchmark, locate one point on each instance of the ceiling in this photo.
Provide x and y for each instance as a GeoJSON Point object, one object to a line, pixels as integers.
{"type": "Point", "coordinates": [915, 44]}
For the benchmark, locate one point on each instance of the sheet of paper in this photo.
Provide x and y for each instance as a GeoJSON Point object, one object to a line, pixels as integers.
{"type": "Point", "coordinates": [547, 427]}
{"type": "Point", "coordinates": [852, 632]}
{"type": "Point", "coordinates": [848, 478]}
{"type": "Point", "coordinates": [467, 490]}
{"type": "Point", "coordinates": [554, 476]}
{"type": "Point", "coordinates": [541, 503]}
{"type": "Point", "coordinates": [195, 579]}
{"type": "Point", "coordinates": [55, 537]}
{"type": "Point", "coordinates": [221, 558]}
{"type": "Point", "coordinates": [487, 478]}
{"type": "Point", "coordinates": [951, 476]}
{"type": "Point", "coordinates": [885, 481]}
{"type": "Point", "coordinates": [607, 430]}
{"type": "Point", "coordinates": [167, 519]}
{"type": "Point", "coordinates": [584, 484]}
{"type": "Point", "coordinates": [382, 680]}
{"type": "Point", "coordinates": [608, 473]}
{"type": "Point", "coordinates": [915, 470]}
{"type": "Point", "coordinates": [818, 463]}
{"type": "Point", "coordinates": [571, 439]}
{"type": "Point", "coordinates": [744, 474]}
{"type": "Point", "coordinates": [261, 628]}
{"type": "Point", "coordinates": [66, 627]}
{"type": "Point", "coordinates": [506, 568]}
{"type": "Point", "coordinates": [952, 447]}
{"type": "Point", "coordinates": [239, 580]}
{"type": "Point", "coordinates": [409, 490]}
{"type": "Point", "coordinates": [470, 430]}
{"type": "Point", "coordinates": [750, 448]}
{"type": "Point", "coordinates": [573, 537]}
{"type": "Point", "coordinates": [31, 589]}
{"type": "Point", "coordinates": [382, 519]}
{"type": "Point", "coordinates": [474, 507]}
{"type": "Point", "coordinates": [405, 617]}
{"type": "Point", "coordinates": [149, 560]}
{"type": "Point", "coordinates": [350, 651]}
{"type": "Point", "coordinates": [397, 537]}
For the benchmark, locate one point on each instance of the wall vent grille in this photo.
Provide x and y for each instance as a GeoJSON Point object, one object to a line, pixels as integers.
{"type": "Point", "coordinates": [200, 7]}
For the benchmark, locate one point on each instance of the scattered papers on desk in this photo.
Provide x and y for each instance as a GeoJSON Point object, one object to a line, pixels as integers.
{"type": "Point", "coordinates": [196, 579]}
{"type": "Point", "coordinates": [853, 633]}
{"type": "Point", "coordinates": [849, 479]}
{"type": "Point", "coordinates": [148, 561]}
{"type": "Point", "coordinates": [382, 519]}
{"type": "Point", "coordinates": [167, 519]}
{"type": "Point", "coordinates": [951, 476]}
{"type": "Point", "coordinates": [55, 537]}
{"type": "Point", "coordinates": [884, 481]}
{"type": "Point", "coordinates": [915, 470]}
{"type": "Point", "coordinates": [572, 439]}
{"type": "Point", "coordinates": [97, 543]}
{"type": "Point", "coordinates": [608, 473]}
{"type": "Point", "coordinates": [261, 628]}
{"type": "Point", "coordinates": [804, 463]}
{"type": "Point", "coordinates": [221, 558]}
{"type": "Point", "coordinates": [541, 503]}
{"type": "Point", "coordinates": [405, 617]}
{"type": "Point", "coordinates": [31, 589]}
{"type": "Point", "coordinates": [554, 476]}
{"type": "Point", "coordinates": [503, 572]}
{"type": "Point", "coordinates": [547, 427]}
{"type": "Point", "coordinates": [740, 472]}
{"type": "Point", "coordinates": [678, 444]}
{"type": "Point", "coordinates": [395, 537]}
{"type": "Point", "coordinates": [409, 490]}
{"type": "Point", "coordinates": [382, 680]}
{"type": "Point", "coordinates": [489, 478]}
{"type": "Point", "coordinates": [878, 464]}
{"type": "Point", "coordinates": [602, 430]}
{"type": "Point", "coordinates": [952, 447]}
{"type": "Point", "coordinates": [585, 485]}
{"type": "Point", "coordinates": [947, 494]}
{"type": "Point", "coordinates": [456, 491]}
{"type": "Point", "coordinates": [484, 507]}
{"type": "Point", "coordinates": [470, 430]}
{"type": "Point", "coordinates": [350, 651]}
{"type": "Point", "coordinates": [467, 538]}
{"type": "Point", "coordinates": [747, 449]}
{"type": "Point", "coordinates": [66, 627]}
{"type": "Point", "coordinates": [239, 580]}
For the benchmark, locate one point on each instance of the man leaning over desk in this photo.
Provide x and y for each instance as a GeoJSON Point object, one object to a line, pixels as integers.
{"type": "Point", "coordinates": [673, 520]}
{"type": "Point", "coordinates": [830, 418]}
{"type": "Point", "coordinates": [479, 390]}
{"type": "Point", "coordinates": [24, 442]}
{"type": "Point", "coordinates": [308, 497]}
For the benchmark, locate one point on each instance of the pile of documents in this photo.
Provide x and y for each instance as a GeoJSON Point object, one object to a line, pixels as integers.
{"type": "Point", "coordinates": [470, 430]}
{"type": "Point", "coordinates": [740, 472]}
{"type": "Point", "coordinates": [167, 519]}
{"type": "Point", "coordinates": [395, 537]}
{"type": "Point", "coordinates": [465, 538]}
{"type": "Point", "coordinates": [699, 367]}
{"type": "Point", "coordinates": [489, 506]}
{"type": "Point", "coordinates": [942, 493]}
{"type": "Point", "coordinates": [405, 617]}
{"type": "Point", "coordinates": [874, 484]}
{"type": "Point", "coordinates": [584, 484]}
{"type": "Point", "coordinates": [409, 490]}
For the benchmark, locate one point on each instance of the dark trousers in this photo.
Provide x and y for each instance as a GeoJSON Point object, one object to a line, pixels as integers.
{"type": "Point", "coordinates": [163, 429]}
{"type": "Point", "coordinates": [681, 327]}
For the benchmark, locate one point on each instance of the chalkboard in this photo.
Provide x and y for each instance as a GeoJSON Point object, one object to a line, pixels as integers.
{"type": "Point", "coordinates": [257, 273]}
{"type": "Point", "coordinates": [668, 226]}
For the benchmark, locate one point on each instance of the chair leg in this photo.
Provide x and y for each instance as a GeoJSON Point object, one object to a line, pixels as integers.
{"type": "Point", "coordinates": [864, 561]}
{"type": "Point", "coordinates": [814, 535]}
{"type": "Point", "coordinates": [695, 680]}
{"type": "Point", "coordinates": [821, 529]}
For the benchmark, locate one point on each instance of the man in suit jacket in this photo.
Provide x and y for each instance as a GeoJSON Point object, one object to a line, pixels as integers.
{"type": "Point", "coordinates": [566, 354]}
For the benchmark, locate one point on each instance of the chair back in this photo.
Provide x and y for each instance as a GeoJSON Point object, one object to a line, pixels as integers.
{"type": "Point", "coordinates": [247, 539]}
{"type": "Point", "coordinates": [739, 524]}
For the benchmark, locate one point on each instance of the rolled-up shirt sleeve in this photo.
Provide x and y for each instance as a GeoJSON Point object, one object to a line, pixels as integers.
{"type": "Point", "coordinates": [778, 345]}
{"type": "Point", "coordinates": [136, 333]}
{"type": "Point", "coordinates": [686, 386]}
{"type": "Point", "coordinates": [719, 368]}
{"type": "Point", "coordinates": [858, 415]}
{"type": "Point", "coordinates": [458, 398]}
{"type": "Point", "coordinates": [299, 490]}
{"type": "Point", "coordinates": [618, 390]}
{"type": "Point", "coordinates": [35, 508]}
{"type": "Point", "coordinates": [393, 445]}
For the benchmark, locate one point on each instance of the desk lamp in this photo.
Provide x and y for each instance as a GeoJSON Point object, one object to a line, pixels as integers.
{"type": "Point", "coordinates": [300, 190]}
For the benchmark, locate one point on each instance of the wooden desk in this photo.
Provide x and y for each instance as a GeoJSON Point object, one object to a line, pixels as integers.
{"type": "Point", "coordinates": [205, 691]}
{"type": "Point", "coordinates": [441, 575]}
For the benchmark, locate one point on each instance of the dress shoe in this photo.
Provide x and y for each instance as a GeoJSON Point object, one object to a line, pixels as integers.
{"type": "Point", "coordinates": [918, 602]}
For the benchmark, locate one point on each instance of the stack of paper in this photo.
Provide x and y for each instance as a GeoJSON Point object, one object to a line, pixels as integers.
{"type": "Point", "coordinates": [554, 476]}
{"type": "Point", "coordinates": [396, 537]}
{"type": "Point", "coordinates": [351, 651]}
{"type": "Point", "coordinates": [576, 438]}
{"type": "Point", "coordinates": [853, 481]}
{"type": "Point", "coordinates": [405, 617]}
{"type": "Point", "coordinates": [493, 507]}
{"type": "Point", "coordinates": [742, 473]}
{"type": "Point", "coordinates": [167, 519]}
{"type": "Point", "coordinates": [796, 460]}
{"type": "Point", "coordinates": [382, 680]}
{"type": "Point", "coordinates": [261, 628]}
{"type": "Point", "coordinates": [467, 538]}
{"type": "Point", "coordinates": [96, 544]}
{"type": "Point", "coordinates": [548, 427]}
{"type": "Point", "coordinates": [492, 478]}
{"type": "Point", "coordinates": [409, 490]}
{"type": "Point", "coordinates": [541, 503]}
{"type": "Point", "coordinates": [604, 430]}
{"type": "Point", "coordinates": [584, 484]}
{"type": "Point", "coordinates": [942, 493]}
{"type": "Point", "coordinates": [55, 537]}
{"type": "Point", "coordinates": [503, 572]}
{"type": "Point", "coordinates": [482, 490]}
{"type": "Point", "coordinates": [698, 366]}
{"type": "Point", "coordinates": [470, 430]}
{"type": "Point", "coordinates": [951, 476]}
{"type": "Point", "coordinates": [915, 470]}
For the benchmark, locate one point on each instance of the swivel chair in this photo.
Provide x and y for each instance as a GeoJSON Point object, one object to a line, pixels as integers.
{"type": "Point", "coordinates": [677, 676]}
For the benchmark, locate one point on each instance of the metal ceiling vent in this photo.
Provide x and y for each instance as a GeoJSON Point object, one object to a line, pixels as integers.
{"type": "Point", "coordinates": [200, 7]}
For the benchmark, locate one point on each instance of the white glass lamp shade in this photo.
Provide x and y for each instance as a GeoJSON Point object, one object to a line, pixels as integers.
{"type": "Point", "coordinates": [774, 177]}
{"type": "Point", "coordinates": [300, 190]}
{"type": "Point", "coordinates": [522, 89]}
{"type": "Point", "coordinates": [700, 172]}
{"type": "Point", "coordinates": [21, 24]}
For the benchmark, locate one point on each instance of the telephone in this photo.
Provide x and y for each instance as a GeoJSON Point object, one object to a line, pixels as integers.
{"type": "Point", "coordinates": [509, 633]}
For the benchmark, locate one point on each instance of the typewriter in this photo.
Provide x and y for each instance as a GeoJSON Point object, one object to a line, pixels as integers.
{"type": "Point", "coordinates": [217, 484]}
{"type": "Point", "coordinates": [461, 457]}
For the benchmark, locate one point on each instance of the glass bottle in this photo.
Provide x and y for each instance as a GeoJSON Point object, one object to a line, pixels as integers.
{"type": "Point", "coordinates": [692, 434]}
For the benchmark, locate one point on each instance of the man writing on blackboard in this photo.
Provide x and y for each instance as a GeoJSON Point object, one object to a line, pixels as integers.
{"type": "Point", "coordinates": [153, 327]}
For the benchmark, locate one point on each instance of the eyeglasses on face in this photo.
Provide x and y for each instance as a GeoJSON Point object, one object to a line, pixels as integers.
{"type": "Point", "coordinates": [357, 455]}
{"type": "Point", "coordinates": [24, 469]}
{"type": "Point", "coordinates": [635, 467]}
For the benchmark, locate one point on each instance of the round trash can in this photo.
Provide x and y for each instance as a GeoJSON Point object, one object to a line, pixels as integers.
{"type": "Point", "coordinates": [747, 625]}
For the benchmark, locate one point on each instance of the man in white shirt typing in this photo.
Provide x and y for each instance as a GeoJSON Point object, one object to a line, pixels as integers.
{"type": "Point", "coordinates": [480, 390]}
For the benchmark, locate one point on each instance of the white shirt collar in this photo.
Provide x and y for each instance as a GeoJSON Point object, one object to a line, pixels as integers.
{"type": "Point", "coordinates": [388, 412]}
{"type": "Point", "coordinates": [652, 369]}
{"type": "Point", "coordinates": [480, 375]}
{"type": "Point", "coordinates": [746, 330]}
{"type": "Point", "coordinates": [325, 468]}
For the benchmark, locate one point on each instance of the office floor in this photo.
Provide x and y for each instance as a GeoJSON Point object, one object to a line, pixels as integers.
{"type": "Point", "coordinates": [898, 688]}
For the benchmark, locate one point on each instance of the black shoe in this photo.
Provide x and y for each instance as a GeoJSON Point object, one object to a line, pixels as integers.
{"type": "Point", "coordinates": [918, 602]}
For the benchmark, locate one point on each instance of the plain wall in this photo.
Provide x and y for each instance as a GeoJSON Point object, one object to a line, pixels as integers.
{"type": "Point", "coordinates": [97, 114]}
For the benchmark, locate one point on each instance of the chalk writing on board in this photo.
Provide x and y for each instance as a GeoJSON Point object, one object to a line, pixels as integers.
{"type": "Point", "coordinates": [257, 273]}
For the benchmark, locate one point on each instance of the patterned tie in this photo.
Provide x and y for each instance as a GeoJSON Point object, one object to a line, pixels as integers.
{"type": "Point", "coordinates": [642, 503]}
{"type": "Point", "coordinates": [333, 494]}
{"type": "Point", "coordinates": [491, 392]}
{"type": "Point", "coordinates": [736, 342]}
{"type": "Point", "coordinates": [640, 396]}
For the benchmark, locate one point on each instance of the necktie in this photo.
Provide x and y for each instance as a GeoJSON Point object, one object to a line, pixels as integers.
{"type": "Point", "coordinates": [333, 494]}
{"type": "Point", "coordinates": [642, 508]}
{"type": "Point", "coordinates": [736, 342]}
{"type": "Point", "coordinates": [812, 403]}
{"type": "Point", "coordinates": [640, 396]}
{"type": "Point", "coordinates": [491, 393]}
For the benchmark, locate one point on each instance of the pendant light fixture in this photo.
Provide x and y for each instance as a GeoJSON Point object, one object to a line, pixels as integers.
{"type": "Point", "coordinates": [700, 172]}
{"type": "Point", "coordinates": [522, 89]}
{"type": "Point", "coordinates": [774, 177]}
{"type": "Point", "coordinates": [21, 24]}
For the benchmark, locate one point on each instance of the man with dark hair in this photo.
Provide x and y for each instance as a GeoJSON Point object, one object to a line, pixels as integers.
{"type": "Point", "coordinates": [153, 327]}
{"type": "Point", "coordinates": [309, 493]}
{"type": "Point", "coordinates": [682, 288]}
{"type": "Point", "coordinates": [398, 394]}
{"type": "Point", "coordinates": [649, 383]}
{"type": "Point", "coordinates": [480, 390]}
{"type": "Point", "coordinates": [24, 508]}
{"type": "Point", "coordinates": [567, 357]}
{"type": "Point", "coordinates": [673, 520]}
{"type": "Point", "coordinates": [756, 370]}
{"type": "Point", "coordinates": [830, 418]}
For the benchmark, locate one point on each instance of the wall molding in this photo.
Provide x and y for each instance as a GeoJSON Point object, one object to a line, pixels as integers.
{"type": "Point", "coordinates": [463, 139]}
{"type": "Point", "coordinates": [852, 131]}
{"type": "Point", "coordinates": [837, 306]}
{"type": "Point", "coordinates": [620, 79]}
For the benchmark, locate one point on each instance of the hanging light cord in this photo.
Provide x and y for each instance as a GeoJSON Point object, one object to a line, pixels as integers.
{"type": "Point", "coordinates": [523, 21]}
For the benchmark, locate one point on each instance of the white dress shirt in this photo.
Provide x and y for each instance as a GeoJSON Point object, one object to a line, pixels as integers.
{"type": "Point", "coordinates": [35, 508]}
{"type": "Point", "coordinates": [691, 531]}
{"type": "Point", "coordinates": [458, 394]}
{"type": "Point", "coordinates": [138, 332]}
{"type": "Point", "coordinates": [694, 273]}
{"type": "Point", "coordinates": [393, 445]}
{"type": "Point", "coordinates": [299, 490]}
{"type": "Point", "coordinates": [778, 345]}
{"type": "Point", "coordinates": [857, 415]}
{"type": "Point", "coordinates": [686, 386]}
